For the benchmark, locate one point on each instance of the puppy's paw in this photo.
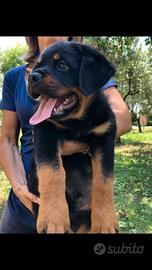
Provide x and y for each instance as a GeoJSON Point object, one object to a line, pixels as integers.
{"type": "Point", "coordinates": [54, 220]}
{"type": "Point", "coordinates": [104, 222]}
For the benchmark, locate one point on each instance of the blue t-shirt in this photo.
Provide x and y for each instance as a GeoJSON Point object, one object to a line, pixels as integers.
{"type": "Point", "coordinates": [15, 98]}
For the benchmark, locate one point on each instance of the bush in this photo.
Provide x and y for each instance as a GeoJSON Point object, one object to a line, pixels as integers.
{"type": "Point", "coordinates": [12, 57]}
{"type": "Point", "coordinates": [1, 79]}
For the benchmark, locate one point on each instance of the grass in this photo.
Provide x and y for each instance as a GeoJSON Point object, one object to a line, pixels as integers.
{"type": "Point", "coordinates": [133, 182]}
{"type": "Point", "coordinates": [4, 190]}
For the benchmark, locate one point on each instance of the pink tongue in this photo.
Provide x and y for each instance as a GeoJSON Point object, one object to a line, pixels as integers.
{"type": "Point", "coordinates": [44, 111]}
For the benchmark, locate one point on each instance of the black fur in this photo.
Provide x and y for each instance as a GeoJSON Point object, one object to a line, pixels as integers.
{"type": "Point", "coordinates": [88, 71]}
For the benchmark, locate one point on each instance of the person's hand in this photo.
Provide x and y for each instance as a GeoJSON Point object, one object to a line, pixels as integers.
{"type": "Point", "coordinates": [25, 196]}
{"type": "Point", "coordinates": [71, 147]}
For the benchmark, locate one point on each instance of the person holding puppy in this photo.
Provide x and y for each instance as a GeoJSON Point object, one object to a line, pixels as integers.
{"type": "Point", "coordinates": [18, 108]}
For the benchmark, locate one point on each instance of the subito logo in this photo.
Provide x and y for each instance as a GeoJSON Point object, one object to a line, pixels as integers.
{"type": "Point", "coordinates": [99, 249]}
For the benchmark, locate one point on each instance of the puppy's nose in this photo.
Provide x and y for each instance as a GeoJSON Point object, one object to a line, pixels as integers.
{"type": "Point", "coordinates": [35, 77]}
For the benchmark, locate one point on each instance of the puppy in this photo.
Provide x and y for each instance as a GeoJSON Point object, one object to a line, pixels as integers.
{"type": "Point", "coordinates": [76, 191]}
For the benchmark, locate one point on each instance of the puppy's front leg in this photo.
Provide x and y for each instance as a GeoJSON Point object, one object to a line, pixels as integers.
{"type": "Point", "coordinates": [53, 216]}
{"type": "Point", "coordinates": [103, 216]}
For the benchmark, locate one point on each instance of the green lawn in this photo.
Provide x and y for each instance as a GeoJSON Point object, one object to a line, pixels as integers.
{"type": "Point", "coordinates": [4, 190]}
{"type": "Point", "coordinates": [133, 182]}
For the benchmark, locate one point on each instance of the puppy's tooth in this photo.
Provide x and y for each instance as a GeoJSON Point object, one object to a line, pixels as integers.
{"type": "Point", "coordinates": [66, 100]}
{"type": "Point", "coordinates": [61, 108]}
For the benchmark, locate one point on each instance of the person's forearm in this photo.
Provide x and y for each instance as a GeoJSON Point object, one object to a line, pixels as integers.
{"type": "Point", "coordinates": [123, 122]}
{"type": "Point", "coordinates": [11, 163]}
{"type": "Point", "coordinates": [120, 109]}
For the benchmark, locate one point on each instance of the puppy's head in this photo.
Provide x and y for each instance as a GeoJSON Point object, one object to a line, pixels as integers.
{"type": "Point", "coordinates": [65, 76]}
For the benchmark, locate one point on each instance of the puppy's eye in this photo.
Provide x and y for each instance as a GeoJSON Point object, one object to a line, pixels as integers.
{"type": "Point", "coordinates": [62, 65]}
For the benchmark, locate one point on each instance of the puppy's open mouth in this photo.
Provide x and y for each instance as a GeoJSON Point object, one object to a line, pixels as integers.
{"type": "Point", "coordinates": [53, 107]}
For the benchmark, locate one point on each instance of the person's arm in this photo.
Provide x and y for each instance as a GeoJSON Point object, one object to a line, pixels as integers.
{"type": "Point", "coordinates": [120, 109]}
{"type": "Point", "coordinates": [10, 159]}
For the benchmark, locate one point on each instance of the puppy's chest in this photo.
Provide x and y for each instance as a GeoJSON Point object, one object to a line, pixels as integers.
{"type": "Point", "coordinates": [76, 135]}
{"type": "Point", "coordinates": [87, 128]}
{"type": "Point", "coordinates": [85, 134]}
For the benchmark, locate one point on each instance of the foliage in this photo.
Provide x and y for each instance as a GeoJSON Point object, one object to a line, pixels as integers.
{"type": "Point", "coordinates": [115, 48]}
{"type": "Point", "coordinates": [1, 74]}
{"type": "Point", "coordinates": [4, 190]}
{"type": "Point", "coordinates": [12, 57]}
{"type": "Point", "coordinates": [150, 121]}
{"type": "Point", "coordinates": [134, 72]}
{"type": "Point", "coordinates": [1, 79]}
{"type": "Point", "coordinates": [148, 42]}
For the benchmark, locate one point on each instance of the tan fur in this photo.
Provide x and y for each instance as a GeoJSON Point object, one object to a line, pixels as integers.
{"type": "Point", "coordinates": [53, 214]}
{"type": "Point", "coordinates": [83, 229]}
{"type": "Point", "coordinates": [101, 129]}
{"type": "Point", "coordinates": [103, 215]}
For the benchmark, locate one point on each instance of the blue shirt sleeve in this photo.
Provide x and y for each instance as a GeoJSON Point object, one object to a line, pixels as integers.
{"type": "Point", "coordinates": [8, 93]}
{"type": "Point", "coordinates": [110, 83]}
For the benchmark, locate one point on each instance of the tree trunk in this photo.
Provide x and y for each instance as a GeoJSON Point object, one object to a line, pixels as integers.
{"type": "Point", "coordinates": [139, 125]}
{"type": "Point", "coordinates": [118, 141]}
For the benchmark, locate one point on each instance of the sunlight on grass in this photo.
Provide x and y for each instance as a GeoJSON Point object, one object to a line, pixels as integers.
{"type": "Point", "coordinates": [4, 190]}
{"type": "Point", "coordinates": [133, 182]}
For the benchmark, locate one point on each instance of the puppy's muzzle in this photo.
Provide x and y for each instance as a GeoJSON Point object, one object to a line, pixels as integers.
{"type": "Point", "coordinates": [35, 77]}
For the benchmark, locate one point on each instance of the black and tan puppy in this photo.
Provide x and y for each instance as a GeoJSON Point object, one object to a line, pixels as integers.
{"type": "Point", "coordinates": [76, 191]}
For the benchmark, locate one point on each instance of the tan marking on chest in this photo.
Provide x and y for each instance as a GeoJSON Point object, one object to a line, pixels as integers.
{"type": "Point", "coordinates": [101, 129]}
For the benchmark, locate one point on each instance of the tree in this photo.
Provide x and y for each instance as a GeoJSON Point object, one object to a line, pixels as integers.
{"type": "Point", "coordinates": [1, 79]}
{"type": "Point", "coordinates": [12, 57]}
{"type": "Point", "coordinates": [139, 96]}
{"type": "Point", "coordinates": [1, 74]}
{"type": "Point", "coordinates": [148, 42]}
{"type": "Point", "coordinates": [134, 73]}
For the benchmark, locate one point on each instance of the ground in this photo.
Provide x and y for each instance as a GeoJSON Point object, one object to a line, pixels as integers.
{"type": "Point", "coordinates": [133, 182]}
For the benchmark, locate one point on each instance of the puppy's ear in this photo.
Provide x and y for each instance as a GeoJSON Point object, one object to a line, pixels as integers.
{"type": "Point", "coordinates": [95, 70]}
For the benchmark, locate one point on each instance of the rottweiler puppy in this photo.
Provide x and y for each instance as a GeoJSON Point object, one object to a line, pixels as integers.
{"type": "Point", "coordinates": [76, 191]}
